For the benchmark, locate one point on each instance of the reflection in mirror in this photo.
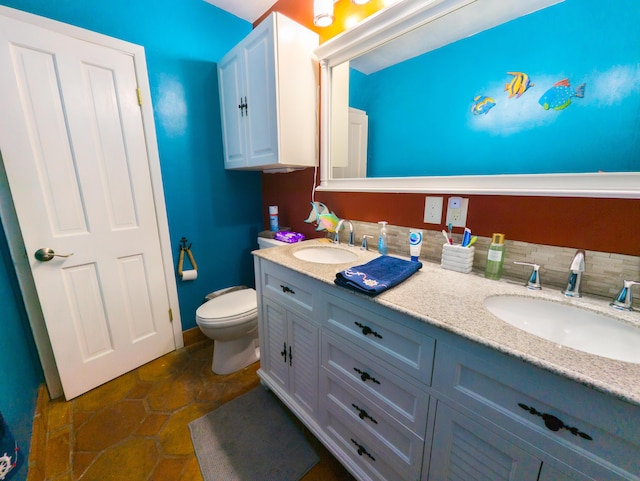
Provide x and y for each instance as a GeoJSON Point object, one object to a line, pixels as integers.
{"type": "Point", "coordinates": [479, 106]}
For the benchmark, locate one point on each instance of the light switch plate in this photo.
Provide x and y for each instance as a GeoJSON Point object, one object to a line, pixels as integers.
{"type": "Point", "coordinates": [433, 210]}
{"type": "Point", "coordinates": [457, 211]}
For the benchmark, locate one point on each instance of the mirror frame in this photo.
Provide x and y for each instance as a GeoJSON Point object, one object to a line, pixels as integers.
{"type": "Point", "coordinates": [402, 17]}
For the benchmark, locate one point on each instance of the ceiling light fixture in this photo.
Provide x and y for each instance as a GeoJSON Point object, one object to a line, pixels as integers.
{"type": "Point", "coordinates": [322, 13]}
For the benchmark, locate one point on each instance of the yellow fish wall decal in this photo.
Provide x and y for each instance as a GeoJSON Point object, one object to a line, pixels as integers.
{"type": "Point", "coordinates": [518, 85]}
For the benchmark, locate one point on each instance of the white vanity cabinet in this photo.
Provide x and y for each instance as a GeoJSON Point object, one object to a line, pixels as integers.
{"type": "Point", "coordinates": [374, 400]}
{"type": "Point", "coordinates": [268, 97]}
{"type": "Point", "coordinates": [395, 398]}
{"type": "Point", "coordinates": [290, 345]}
{"type": "Point", "coordinates": [571, 429]}
{"type": "Point", "coordinates": [288, 337]}
{"type": "Point", "coordinates": [464, 449]}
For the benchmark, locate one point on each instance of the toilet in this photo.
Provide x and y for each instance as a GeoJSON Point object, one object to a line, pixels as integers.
{"type": "Point", "coordinates": [230, 318]}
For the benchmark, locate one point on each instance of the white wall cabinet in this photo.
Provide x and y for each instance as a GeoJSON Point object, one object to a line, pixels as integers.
{"type": "Point", "coordinates": [399, 399]}
{"type": "Point", "coordinates": [268, 98]}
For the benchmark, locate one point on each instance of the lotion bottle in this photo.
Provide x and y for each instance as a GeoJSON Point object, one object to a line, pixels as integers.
{"type": "Point", "coordinates": [495, 257]}
{"type": "Point", "coordinates": [383, 247]}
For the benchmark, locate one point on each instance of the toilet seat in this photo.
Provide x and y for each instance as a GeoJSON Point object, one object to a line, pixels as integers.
{"type": "Point", "coordinates": [229, 309]}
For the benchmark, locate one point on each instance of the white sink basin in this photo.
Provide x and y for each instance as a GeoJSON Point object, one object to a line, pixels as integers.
{"type": "Point", "coordinates": [325, 255]}
{"type": "Point", "coordinates": [569, 326]}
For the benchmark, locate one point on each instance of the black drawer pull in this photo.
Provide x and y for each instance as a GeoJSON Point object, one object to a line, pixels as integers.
{"type": "Point", "coordinates": [284, 352]}
{"type": "Point", "coordinates": [361, 450]}
{"type": "Point", "coordinates": [362, 414]}
{"type": "Point", "coordinates": [553, 423]}
{"type": "Point", "coordinates": [365, 376]}
{"type": "Point", "coordinates": [366, 330]}
{"type": "Point", "coordinates": [287, 289]}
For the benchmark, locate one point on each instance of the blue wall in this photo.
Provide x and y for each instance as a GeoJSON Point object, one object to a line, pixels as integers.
{"type": "Point", "coordinates": [218, 211]}
{"type": "Point", "coordinates": [586, 41]}
{"type": "Point", "coordinates": [19, 365]}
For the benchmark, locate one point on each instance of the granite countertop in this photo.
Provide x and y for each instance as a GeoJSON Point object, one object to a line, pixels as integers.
{"type": "Point", "coordinates": [455, 302]}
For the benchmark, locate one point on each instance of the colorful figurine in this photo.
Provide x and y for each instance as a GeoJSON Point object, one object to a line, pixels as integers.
{"type": "Point", "coordinates": [518, 85]}
{"type": "Point", "coordinates": [317, 208]}
{"type": "Point", "coordinates": [328, 222]}
{"type": "Point", "coordinates": [322, 217]}
{"type": "Point", "coordinates": [482, 104]}
{"type": "Point", "coordinates": [559, 96]}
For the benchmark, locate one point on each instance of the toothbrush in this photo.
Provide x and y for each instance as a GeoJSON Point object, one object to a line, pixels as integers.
{"type": "Point", "coordinates": [472, 241]}
{"type": "Point", "coordinates": [450, 226]}
{"type": "Point", "coordinates": [447, 238]}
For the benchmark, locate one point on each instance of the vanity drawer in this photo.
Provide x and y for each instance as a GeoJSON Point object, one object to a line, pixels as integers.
{"type": "Point", "coordinates": [389, 339]}
{"type": "Point", "coordinates": [379, 458]}
{"type": "Point", "coordinates": [289, 288]}
{"type": "Point", "coordinates": [393, 392]}
{"type": "Point", "coordinates": [340, 397]}
{"type": "Point", "coordinates": [585, 428]}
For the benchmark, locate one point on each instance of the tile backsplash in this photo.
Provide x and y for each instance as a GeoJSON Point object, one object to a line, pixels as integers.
{"type": "Point", "coordinates": [603, 276]}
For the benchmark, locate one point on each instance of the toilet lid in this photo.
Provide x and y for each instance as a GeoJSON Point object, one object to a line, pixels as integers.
{"type": "Point", "coordinates": [228, 306]}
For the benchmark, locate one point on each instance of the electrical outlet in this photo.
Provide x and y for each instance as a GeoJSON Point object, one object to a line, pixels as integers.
{"type": "Point", "coordinates": [457, 211]}
{"type": "Point", "coordinates": [433, 210]}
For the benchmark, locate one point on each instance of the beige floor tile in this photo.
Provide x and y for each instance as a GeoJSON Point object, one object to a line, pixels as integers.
{"type": "Point", "coordinates": [136, 426]}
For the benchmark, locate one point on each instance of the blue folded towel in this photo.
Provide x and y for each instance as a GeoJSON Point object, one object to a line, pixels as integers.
{"type": "Point", "coordinates": [378, 275]}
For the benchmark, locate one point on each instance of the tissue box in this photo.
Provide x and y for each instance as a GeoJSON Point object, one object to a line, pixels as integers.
{"type": "Point", "coordinates": [457, 258]}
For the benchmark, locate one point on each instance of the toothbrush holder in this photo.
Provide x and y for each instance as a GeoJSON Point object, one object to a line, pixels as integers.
{"type": "Point", "coordinates": [457, 258]}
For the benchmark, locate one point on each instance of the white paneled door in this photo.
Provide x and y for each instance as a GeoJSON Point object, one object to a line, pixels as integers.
{"type": "Point", "coordinates": [75, 155]}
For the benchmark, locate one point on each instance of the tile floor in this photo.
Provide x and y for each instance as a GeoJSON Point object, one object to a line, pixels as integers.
{"type": "Point", "coordinates": [134, 428]}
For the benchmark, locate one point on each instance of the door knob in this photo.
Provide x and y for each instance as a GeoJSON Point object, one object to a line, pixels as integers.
{"type": "Point", "coordinates": [46, 254]}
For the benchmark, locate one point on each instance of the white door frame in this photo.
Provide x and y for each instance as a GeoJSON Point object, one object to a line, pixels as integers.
{"type": "Point", "coordinates": [10, 222]}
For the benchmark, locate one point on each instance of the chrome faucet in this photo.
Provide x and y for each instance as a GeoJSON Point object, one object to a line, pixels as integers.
{"type": "Point", "coordinates": [534, 278]}
{"type": "Point", "coordinates": [365, 245]}
{"type": "Point", "coordinates": [576, 269]}
{"type": "Point", "coordinates": [336, 238]}
{"type": "Point", "coordinates": [624, 299]}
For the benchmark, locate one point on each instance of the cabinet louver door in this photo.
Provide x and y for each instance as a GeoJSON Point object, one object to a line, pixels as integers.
{"type": "Point", "coordinates": [465, 451]}
{"type": "Point", "coordinates": [304, 378]}
{"type": "Point", "coordinates": [276, 347]}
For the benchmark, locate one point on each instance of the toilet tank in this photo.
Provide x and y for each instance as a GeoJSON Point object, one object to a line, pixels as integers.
{"type": "Point", "coordinates": [265, 243]}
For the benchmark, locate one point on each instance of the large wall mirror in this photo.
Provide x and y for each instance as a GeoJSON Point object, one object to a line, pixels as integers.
{"type": "Point", "coordinates": [534, 97]}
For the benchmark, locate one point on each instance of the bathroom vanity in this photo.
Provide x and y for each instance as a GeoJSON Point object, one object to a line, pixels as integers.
{"type": "Point", "coordinates": [422, 382]}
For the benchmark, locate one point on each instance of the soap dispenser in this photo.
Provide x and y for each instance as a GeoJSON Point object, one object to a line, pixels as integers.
{"type": "Point", "coordinates": [383, 247]}
{"type": "Point", "coordinates": [495, 258]}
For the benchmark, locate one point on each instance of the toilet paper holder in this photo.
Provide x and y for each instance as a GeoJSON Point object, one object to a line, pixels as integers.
{"type": "Point", "coordinates": [184, 248]}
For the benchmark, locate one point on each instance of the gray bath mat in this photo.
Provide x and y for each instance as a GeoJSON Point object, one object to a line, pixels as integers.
{"type": "Point", "coordinates": [251, 438]}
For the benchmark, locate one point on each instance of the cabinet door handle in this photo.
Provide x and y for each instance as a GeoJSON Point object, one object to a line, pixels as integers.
{"type": "Point", "coordinates": [362, 414]}
{"type": "Point", "coordinates": [365, 376]}
{"type": "Point", "coordinates": [553, 423]}
{"type": "Point", "coordinates": [244, 107]}
{"type": "Point", "coordinates": [287, 289]}
{"type": "Point", "coordinates": [284, 352]}
{"type": "Point", "coordinates": [362, 450]}
{"type": "Point", "coordinates": [290, 356]}
{"type": "Point", "coordinates": [366, 330]}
